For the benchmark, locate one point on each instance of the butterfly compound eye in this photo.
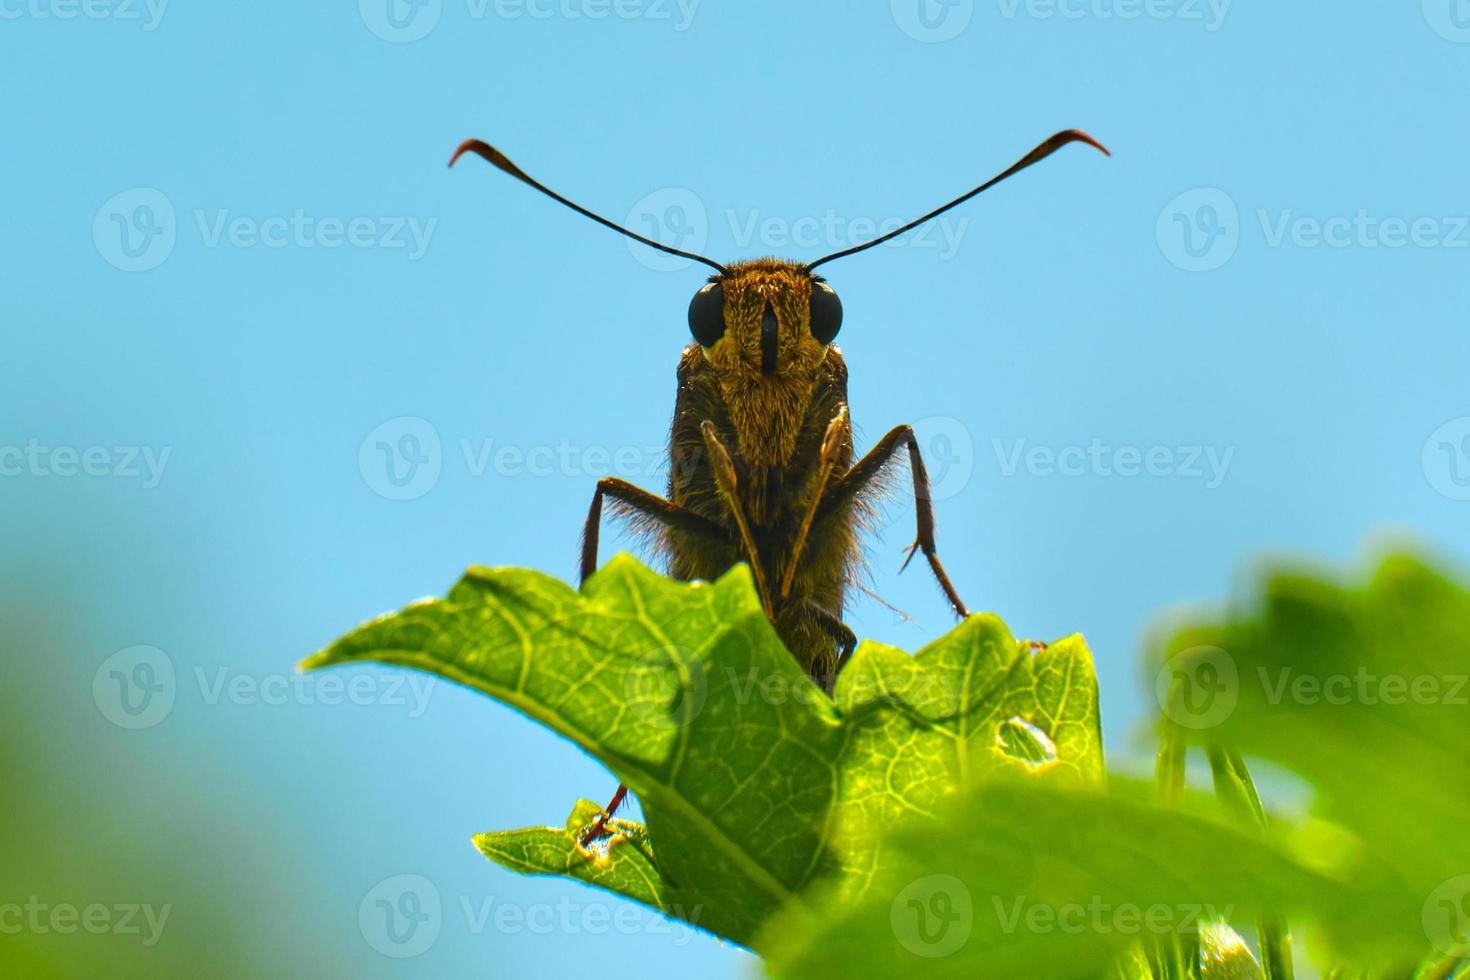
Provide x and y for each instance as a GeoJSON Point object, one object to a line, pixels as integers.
{"type": "Point", "coordinates": [707, 314]}
{"type": "Point", "coordinates": [826, 313]}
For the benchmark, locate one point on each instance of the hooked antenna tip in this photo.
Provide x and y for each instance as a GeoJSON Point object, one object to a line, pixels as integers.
{"type": "Point", "coordinates": [491, 155]}
{"type": "Point", "coordinates": [1077, 135]}
{"type": "Point", "coordinates": [477, 147]}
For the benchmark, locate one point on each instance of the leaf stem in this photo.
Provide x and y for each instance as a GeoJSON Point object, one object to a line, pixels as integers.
{"type": "Point", "coordinates": [1237, 792]}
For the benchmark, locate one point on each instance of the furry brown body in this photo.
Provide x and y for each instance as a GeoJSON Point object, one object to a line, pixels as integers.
{"type": "Point", "coordinates": [761, 461]}
{"type": "Point", "coordinates": [773, 424]}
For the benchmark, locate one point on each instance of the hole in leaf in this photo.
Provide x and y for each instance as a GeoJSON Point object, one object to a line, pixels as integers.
{"type": "Point", "coordinates": [1020, 739]}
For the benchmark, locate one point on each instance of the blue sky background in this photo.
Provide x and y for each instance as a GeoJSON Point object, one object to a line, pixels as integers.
{"type": "Point", "coordinates": [1270, 273]}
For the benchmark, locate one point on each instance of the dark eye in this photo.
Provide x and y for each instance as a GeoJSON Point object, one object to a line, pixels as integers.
{"type": "Point", "coordinates": [707, 314]}
{"type": "Point", "coordinates": [826, 313]}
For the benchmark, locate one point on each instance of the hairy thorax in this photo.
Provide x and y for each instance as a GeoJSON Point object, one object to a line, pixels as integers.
{"type": "Point", "coordinates": [767, 408]}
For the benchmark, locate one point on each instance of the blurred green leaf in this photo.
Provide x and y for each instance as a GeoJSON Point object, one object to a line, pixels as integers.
{"type": "Point", "coordinates": [1362, 690]}
{"type": "Point", "coordinates": [1032, 878]}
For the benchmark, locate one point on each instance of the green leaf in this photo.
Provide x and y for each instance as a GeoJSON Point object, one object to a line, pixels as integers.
{"type": "Point", "coordinates": [625, 866]}
{"type": "Point", "coordinates": [1037, 879]}
{"type": "Point", "coordinates": [756, 786]}
{"type": "Point", "coordinates": [1362, 690]}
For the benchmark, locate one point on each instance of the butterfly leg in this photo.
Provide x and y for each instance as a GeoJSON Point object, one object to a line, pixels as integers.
{"type": "Point", "coordinates": [834, 627]}
{"type": "Point", "coordinates": [641, 501]}
{"type": "Point", "coordinates": [868, 469]}
{"type": "Point", "coordinates": [651, 506]}
{"type": "Point", "coordinates": [837, 429]}
{"type": "Point", "coordinates": [724, 471]}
